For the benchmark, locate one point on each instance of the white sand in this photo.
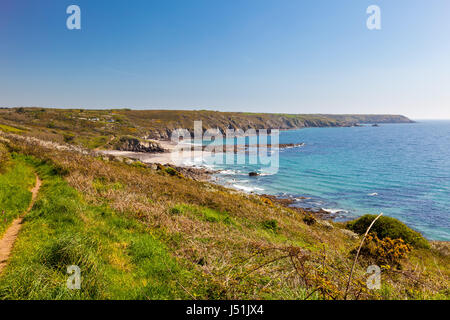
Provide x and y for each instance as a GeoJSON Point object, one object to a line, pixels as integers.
{"type": "Point", "coordinates": [182, 159]}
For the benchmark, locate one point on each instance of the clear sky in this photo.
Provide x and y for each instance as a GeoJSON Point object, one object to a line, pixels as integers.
{"type": "Point", "coordinates": [294, 56]}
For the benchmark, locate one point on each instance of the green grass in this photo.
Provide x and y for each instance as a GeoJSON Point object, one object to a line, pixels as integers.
{"type": "Point", "coordinates": [119, 257]}
{"type": "Point", "coordinates": [202, 213]}
{"type": "Point", "coordinates": [91, 142]}
{"type": "Point", "coordinates": [100, 185]}
{"type": "Point", "coordinates": [15, 184]}
{"type": "Point", "coordinates": [10, 129]}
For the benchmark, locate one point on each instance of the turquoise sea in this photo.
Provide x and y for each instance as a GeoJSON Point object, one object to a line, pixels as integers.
{"type": "Point", "coordinates": [402, 170]}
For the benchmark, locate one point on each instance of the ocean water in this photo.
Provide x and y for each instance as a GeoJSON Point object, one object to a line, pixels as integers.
{"type": "Point", "coordinates": [402, 170]}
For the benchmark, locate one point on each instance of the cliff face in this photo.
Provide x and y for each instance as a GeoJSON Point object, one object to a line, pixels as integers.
{"type": "Point", "coordinates": [224, 121]}
{"type": "Point", "coordinates": [244, 123]}
{"type": "Point", "coordinates": [371, 118]}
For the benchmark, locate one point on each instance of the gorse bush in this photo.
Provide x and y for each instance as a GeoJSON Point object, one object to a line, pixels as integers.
{"type": "Point", "coordinates": [267, 201]}
{"type": "Point", "coordinates": [387, 227]}
{"type": "Point", "coordinates": [387, 252]}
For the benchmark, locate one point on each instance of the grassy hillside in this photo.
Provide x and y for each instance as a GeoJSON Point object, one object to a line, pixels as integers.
{"type": "Point", "coordinates": [119, 257]}
{"type": "Point", "coordinates": [140, 233]}
{"type": "Point", "coordinates": [16, 180]}
{"type": "Point", "coordinates": [98, 128]}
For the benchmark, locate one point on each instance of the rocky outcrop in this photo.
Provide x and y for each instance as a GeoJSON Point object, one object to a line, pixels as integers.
{"type": "Point", "coordinates": [350, 233]}
{"type": "Point", "coordinates": [137, 145]}
{"type": "Point", "coordinates": [443, 247]}
{"type": "Point", "coordinates": [325, 224]}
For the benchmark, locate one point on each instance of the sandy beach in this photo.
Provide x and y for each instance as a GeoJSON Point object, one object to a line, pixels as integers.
{"type": "Point", "coordinates": [171, 156]}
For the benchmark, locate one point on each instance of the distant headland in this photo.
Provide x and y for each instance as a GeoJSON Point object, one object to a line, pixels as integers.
{"type": "Point", "coordinates": [94, 128]}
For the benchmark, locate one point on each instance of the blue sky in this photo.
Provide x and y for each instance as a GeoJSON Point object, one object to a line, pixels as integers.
{"type": "Point", "coordinates": [231, 55]}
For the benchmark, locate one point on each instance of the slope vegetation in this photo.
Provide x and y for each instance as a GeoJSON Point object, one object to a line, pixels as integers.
{"type": "Point", "coordinates": [140, 233]}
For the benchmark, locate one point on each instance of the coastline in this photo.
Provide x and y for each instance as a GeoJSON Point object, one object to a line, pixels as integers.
{"type": "Point", "coordinates": [183, 163]}
{"type": "Point", "coordinates": [168, 198]}
{"type": "Point", "coordinates": [186, 166]}
{"type": "Point", "coordinates": [183, 159]}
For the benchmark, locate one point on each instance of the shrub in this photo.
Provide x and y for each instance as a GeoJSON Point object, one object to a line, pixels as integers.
{"type": "Point", "coordinates": [309, 219]}
{"type": "Point", "coordinates": [387, 227]}
{"type": "Point", "coordinates": [139, 164]}
{"type": "Point", "coordinates": [267, 201]}
{"type": "Point", "coordinates": [69, 137]}
{"type": "Point", "coordinates": [171, 171]}
{"type": "Point", "coordinates": [388, 252]}
{"type": "Point", "coordinates": [174, 173]}
{"type": "Point", "coordinates": [178, 209]}
{"type": "Point", "coordinates": [271, 225]}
